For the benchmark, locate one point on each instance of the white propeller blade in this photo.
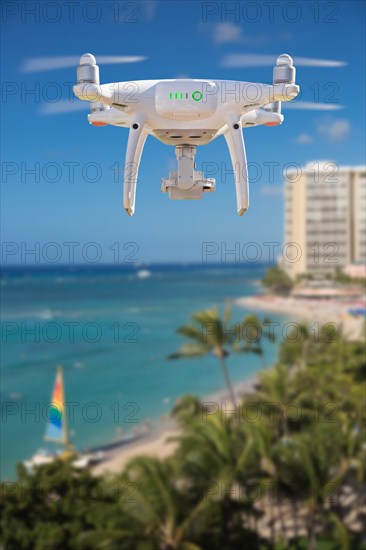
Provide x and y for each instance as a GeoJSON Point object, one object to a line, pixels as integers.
{"type": "Point", "coordinates": [309, 105]}
{"type": "Point", "coordinates": [259, 60]}
{"type": "Point", "coordinates": [63, 106]}
{"type": "Point", "coordinates": [39, 64]}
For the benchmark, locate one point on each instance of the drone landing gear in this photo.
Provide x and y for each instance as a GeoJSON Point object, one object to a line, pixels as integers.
{"type": "Point", "coordinates": [187, 183]}
{"type": "Point", "coordinates": [135, 144]}
{"type": "Point", "coordinates": [235, 142]}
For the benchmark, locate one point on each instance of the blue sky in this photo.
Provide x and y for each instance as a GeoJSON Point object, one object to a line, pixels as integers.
{"type": "Point", "coordinates": [179, 39]}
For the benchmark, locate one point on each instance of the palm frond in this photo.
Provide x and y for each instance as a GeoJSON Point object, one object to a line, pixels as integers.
{"type": "Point", "coordinates": [206, 316]}
{"type": "Point", "coordinates": [189, 331]}
{"type": "Point", "coordinates": [190, 350]}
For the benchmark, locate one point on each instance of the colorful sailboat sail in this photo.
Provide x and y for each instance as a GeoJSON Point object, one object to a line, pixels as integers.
{"type": "Point", "coordinates": [57, 431]}
{"type": "Point", "coordinates": [56, 426]}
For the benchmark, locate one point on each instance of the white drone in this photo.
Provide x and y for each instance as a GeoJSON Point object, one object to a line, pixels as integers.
{"type": "Point", "coordinates": [186, 113]}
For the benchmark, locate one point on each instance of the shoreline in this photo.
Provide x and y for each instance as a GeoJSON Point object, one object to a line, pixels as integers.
{"type": "Point", "coordinates": [156, 442]}
{"type": "Point", "coordinates": [322, 312]}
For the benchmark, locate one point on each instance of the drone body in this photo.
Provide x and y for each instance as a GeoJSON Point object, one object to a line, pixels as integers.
{"type": "Point", "coordinates": [186, 113]}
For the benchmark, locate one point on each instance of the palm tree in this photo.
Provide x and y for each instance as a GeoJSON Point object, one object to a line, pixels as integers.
{"type": "Point", "coordinates": [276, 392]}
{"type": "Point", "coordinates": [212, 335]}
{"type": "Point", "coordinates": [295, 350]}
{"type": "Point", "coordinates": [311, 467]}
{"type": "Point", "coordinates": [217, 459]}
{"type": "Point", "coordinates": [159, 507]}
{"type": "Point", "coordinates": [153, 514]}
{"type": "Point", "coordinates": [252, 331]}
{"type": "Point", "coordinates": [187, 409]}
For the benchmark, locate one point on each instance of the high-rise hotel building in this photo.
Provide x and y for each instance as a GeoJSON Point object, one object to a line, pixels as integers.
{"type": "Point", "coordinates": [325, 216]}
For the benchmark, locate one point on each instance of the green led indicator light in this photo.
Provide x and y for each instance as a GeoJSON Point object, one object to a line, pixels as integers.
{"type": "Point", "coordinates": [197, 95]}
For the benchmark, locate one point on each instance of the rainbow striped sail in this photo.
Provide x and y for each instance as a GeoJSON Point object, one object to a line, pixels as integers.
{"type": "Point", "coordinates": [56, 427]}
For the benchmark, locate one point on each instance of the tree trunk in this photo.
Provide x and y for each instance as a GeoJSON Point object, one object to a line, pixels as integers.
{"type": "Point", "coordinates": [312, 540]}
{"type": "Point", "coordinates": [225, 516]}
{"type": "Point", "coordinates": [282, 523]}
{"type": "Point", "coordinates": [295, 511]}
{"type": "Point", "coordinates": [284, 422]}
{"type": "Point", "coordinates": [304, 355]}
{"type": "Point", "coordinates": [264, 362]}
{"type": "Point", "coordinates": [312, 534]}
{"type": "Point", "coordinates": [271, 520]}
{"type": "Point", "coordinates": [227, 380]}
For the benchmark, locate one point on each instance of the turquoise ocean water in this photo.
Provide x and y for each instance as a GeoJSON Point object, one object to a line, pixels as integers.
{"type": "Point", "coordinates": [111, 329]}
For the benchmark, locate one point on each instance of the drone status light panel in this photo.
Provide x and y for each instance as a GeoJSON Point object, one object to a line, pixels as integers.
{"type": "Point", "coordinates": [186, 100]}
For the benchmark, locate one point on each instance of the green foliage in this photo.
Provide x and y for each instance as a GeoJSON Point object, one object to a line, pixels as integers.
{"type": "Point", "coordinates": [278, 281]}
{"type": "Point", "coordinates": [301, 450]}
{"type": "Point", "coordinates": [342, 278]}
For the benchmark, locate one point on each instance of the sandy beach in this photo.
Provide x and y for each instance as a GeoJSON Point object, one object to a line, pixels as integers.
{"type": "Point", "coordinates": [311, 311]}
{"type": "Point", "coordinates": [157, 442]}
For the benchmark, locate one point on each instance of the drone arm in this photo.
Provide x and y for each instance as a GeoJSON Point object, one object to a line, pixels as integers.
{"type": "Point", "coordinates": [261, 116]}
{"type": "Point", "coordinates": [135, 144]}
{"type": "Point", "coordinates": [283, 92]}
{"type": "Point", "coordinates": [235, 141]}
{"type": "Point", "coordinates": [95, 92]}
{"type": "Point", "coordinates": [262, 95]}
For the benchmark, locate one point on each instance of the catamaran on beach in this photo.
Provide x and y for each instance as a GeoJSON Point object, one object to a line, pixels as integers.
{"type": "Point", "coordinates": [56, 432]}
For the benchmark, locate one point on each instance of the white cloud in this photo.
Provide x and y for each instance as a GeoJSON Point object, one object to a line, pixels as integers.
{"type": "Point", "coordinates": [272, 190]}
{"type": "Point", "coordinates": [334, 131]}
{"type": "Point", "coordinates": [231, 33]}
{"type": "Point", "coordinates": [227, 33]}
{"type": "Point", "coordinates": [304, 139]}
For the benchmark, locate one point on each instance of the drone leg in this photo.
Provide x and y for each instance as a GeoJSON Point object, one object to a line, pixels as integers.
{"type": "Point", "coordinates": [135, 144]}
{"type": "Point", "coordinates": [235, 142]}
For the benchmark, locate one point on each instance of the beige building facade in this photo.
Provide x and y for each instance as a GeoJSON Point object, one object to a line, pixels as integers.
{"type": "Point", "coordinates": [325, 217]}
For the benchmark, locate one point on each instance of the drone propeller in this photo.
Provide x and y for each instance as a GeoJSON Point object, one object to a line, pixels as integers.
{"type": "Point", "coordinates": [40, 64]}
{"type": "Point", "coordinates": [236, 60]}
{"type": "Point", "coordinates": [283, 71]}
{"type": "Point", "coordinates": [310, 106]}
{"type": "Point", "coordinates": [88, 71]}
{"type": "Point", "coordinates": [62, 107]}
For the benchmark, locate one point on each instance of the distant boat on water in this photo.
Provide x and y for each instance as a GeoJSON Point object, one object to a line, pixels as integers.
{"type": "Point", "coordinates": [15, 396]}
{"type": "Point", "coordinates": [144, 274]}
{"type": "Point", "coordinates": [56, 432]}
